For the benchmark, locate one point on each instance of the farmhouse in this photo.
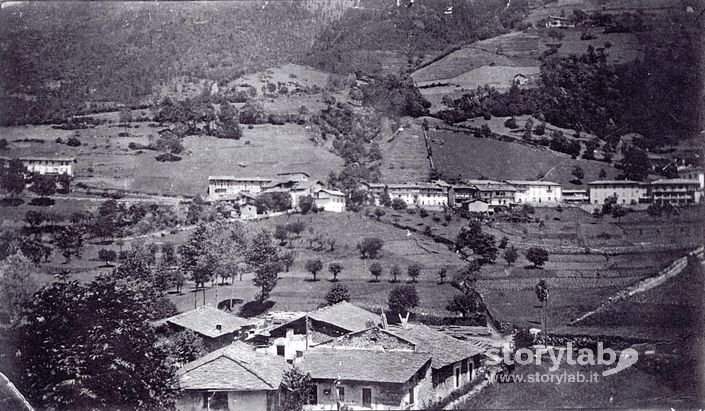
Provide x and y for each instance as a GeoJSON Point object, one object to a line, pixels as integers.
{"type": "Point", "coordinates": [368, 378]}
{"type": "Point", "coordinates": [626, 191]}
{"type": "Point", "coordinates": [559, 22]}
{"type": "Point", "coordinates": [477, 207]}
{"type": "Point", "coordinates": [536, 193]}
{"type": "Point", "coordinates": [232, 378]}
{"type": "Point", "coordinates": [292, 338]}
{"type": "Point", "coordinates": [229, 187]}
{"type": "Point", "coordinates": [454, 361]}
{"type": "Point", "coordinates": [46, 165]}
{"type": "Point", "coordinates": [329, 200]}
{"type": "Point", "coordinates": [677, 191]}
{"type": "Point", "coordinates": [575, 196]}
{"type": "Point", "coordinates": [217, 328]}
{"type": "Point", "coordinates": [425, 195]}
{"type": "Point", "coordinates": [693, 174]}
{"type": "Point", "coordinates": [494, 194]}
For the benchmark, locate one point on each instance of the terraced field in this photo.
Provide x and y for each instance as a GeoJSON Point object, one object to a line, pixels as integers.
{"type": "Point", "coordinates": [404, 156]}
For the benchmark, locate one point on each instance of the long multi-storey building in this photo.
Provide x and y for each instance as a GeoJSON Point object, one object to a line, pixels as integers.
{"type": "Point", "coordinates": [677, 191]}
{"type": "Point", "coordinates": [627, 192]}
{"type": "Point", "coordinates": [46, 165]}
{"type": "Point", "coordinates": [230, 187]}
{"type": "Point", "coordinates": [536, 193]}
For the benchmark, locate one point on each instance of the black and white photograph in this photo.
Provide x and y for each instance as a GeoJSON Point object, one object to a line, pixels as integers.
{"type": "Point", "coordinates": [348, 205]}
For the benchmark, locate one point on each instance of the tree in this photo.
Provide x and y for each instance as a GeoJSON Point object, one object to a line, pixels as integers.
{"type": "Point", "coordinates": [402, 299]}
{"type": "Point", "coordinates": [265, 278]}
{"type": "Point", "coordinates": [578, 173]}
{"type": "Point", "coordinates": [376, 270]}
{"type": "Point", "coordinates": [12, 179]}
{"type": "Point", "coordinates": [636, 164]}
{"type": "Point", "coordinates": [228, 125]}
{"type": "Point", "coordinates": [43, 185]}
{"type": "Point", "coordinates": [169, 142]}
{"type": "Point", "coordinates": [537, 256]}
{"type": "Point", "coordinates": [370, 247]}
{"type": "Point", "coordinates": [281, 234]}
{"type": "Point", "coordinates": [273, 201]}
{"type": "Point", "coordinates": [335, 269]}
{"type": "Point", "coordinates": [169, 255]}
{"type": "Point", "coordinates": [542, 295]}
{"type": "Point", "coordinates": [385, 200]}
{"type": "Point", "coordinates": [395, 272]}
{"type": "Point", "coordinates": [503, 242]}
{"type": "Point", "coordinates": [196, 262]}
{"type": "Point", "coordinates": [337, 293]}
{"type": "Point", "coordinates": [511, 255]}
{"type": "Point", "coordinates": [107, 256]}
{"type": "Point", "coordinates": [618, 212]}
{"type": "Point", "coordinates": [379, 212]}
{"type": "Point", "coordinates": [297, 389]}
{"type": "Point", "coordinates": [314, 266]}
{"type": "Point", "coordinates": [414, 270]}
{"type": "Point", "coordinates": [91, 346]}
{"type": "Point", "coordinates": [263, 257]}
{"type": "Point", "coordinates": [18, 282]}
{"type": "Point", "coordinates": [185, 346]}
{"type": "Point", "coordinates": [603, 174]}
{"type": "Point", "coordinates": [69, 240]}
{"type": "Point", "coordinates": [34, 218]}
{"type": "Point", "coordinates": [33, 249]}
{"type": "Point", "coordinates": [287, 259]}
{"type": "Point", "coordinates": [466, 304]}
{"type": "Point", "coordinates": [306, 204]}
{"type": "Point", "coordinates": [398, 204]}
{"type": "Point", "coordinates": [296, 228]}
{"type": "Point", "coordinates": [442, 274]}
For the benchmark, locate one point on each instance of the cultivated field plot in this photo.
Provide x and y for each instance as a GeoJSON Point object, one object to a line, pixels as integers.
{"type": "Point", "coordinates": [459, 62]}
{"type": "Point", "coordinates": [670, 311]}
{"type": "Point", "coordinates": [470, 157]}
{"type": "Point", "coordinates": [271, 150]}
{"type": "Point", "coordinates": [640, 386]}
{"type": "Point", "coordinates": [623, 47]}
{"type": "Point", "coordinates": [404, 154]}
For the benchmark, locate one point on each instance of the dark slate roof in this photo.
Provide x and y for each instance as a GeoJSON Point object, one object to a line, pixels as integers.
{"type": "Point", "coordinates": [10, 397]}
{"type": "Point", "coordinates": [203, 320]}
{"type": "Point", "coordinates": [445, 349]}
{"type": "Point", "coordinates": [346, 316]}
{"type": "Point", "coordinates": [236, 367]}
{"type": "Point", "coordinates": [363, 365]}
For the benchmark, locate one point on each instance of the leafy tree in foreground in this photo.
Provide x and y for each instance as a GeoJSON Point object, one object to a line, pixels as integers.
{"type": "Point", "coordinates": [537, 256]}
{"type": "Point", "coordinates": [12, 178]}
{"type": "Point", "coordinates": [91, 346]}
{"type": "Point", "coordinates": [402, 299]}
{"type": "Point", "coordinates": [297, 389]}
{"type": "Point", "coordinates": [185, 346]}
{"type": "Point", "coordinates": [337, 293]}
{"type": "Point", "coordinates": [542, 295]}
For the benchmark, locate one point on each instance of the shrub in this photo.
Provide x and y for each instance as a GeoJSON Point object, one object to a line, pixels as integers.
{"type": "Point", "coordinates": [337, 293]}
{"type": "Point", "coordinates": [511, 123]}
{"type": "Point", "coordinates": [73, 142]}
{"type": "Point", "coordinates": [167, 157]}
{"type": "Point", "coordinates": [398, 204]}
{"type": "Point", "coordinates": [370, 247]}
{"type": "Point", "coordinates": [537, 255]}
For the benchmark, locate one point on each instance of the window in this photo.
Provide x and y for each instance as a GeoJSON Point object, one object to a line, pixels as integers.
{"type": "Point", "coordinates": [341, 394]}
{"type": "Point", "coordinates": [217, 400]}
{"type": "Point", "coordinates": [367, 397]}
{"type": "Point", "coordinates": [457, 376]}
{"type": "Point", "coordinates": [470, 370]}
{"type": "Point", "coordinates": [411, 396]}
{"type": "Point", "coordinates": [280, 350]}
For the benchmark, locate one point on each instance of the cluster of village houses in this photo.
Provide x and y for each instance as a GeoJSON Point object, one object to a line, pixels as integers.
{"type": "Point", "coordinates": [481, 196]}
{"type": "Point", "coordinates": [354, 358]}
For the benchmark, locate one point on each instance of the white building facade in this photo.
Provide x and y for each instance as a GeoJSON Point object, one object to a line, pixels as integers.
{"type": "Point", "coordinates": [230, 187]}
{"type": "Point", "coordinates": [536, 193]}
{"type": "Point", "coordinates": [627, 192]}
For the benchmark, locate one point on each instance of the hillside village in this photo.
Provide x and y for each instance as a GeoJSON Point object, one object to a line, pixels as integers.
{"type": "Point", "coordinates": [351, 205]}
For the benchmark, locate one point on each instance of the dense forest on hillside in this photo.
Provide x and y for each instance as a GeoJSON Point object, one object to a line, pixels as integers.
{"type": "Point", "coordinates": [54, 56]}
{"type": "Point", "coordinates": [362, 36]}
{"type": "Point", "coordinates": [658, 97]}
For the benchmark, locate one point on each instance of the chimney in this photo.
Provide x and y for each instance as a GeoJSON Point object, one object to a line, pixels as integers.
{"type": "Point", "coordinates": [219, 327]}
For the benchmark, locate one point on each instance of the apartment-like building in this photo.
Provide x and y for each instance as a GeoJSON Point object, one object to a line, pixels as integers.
{"type": "Point", "coordinates": [536, 193]}
{"type": "Point", "coordinates": [575, 196]}
{"type": "Point", "coordinates": [329, 200]}
{"type": "Point", "coordinates": [627, 192]}
{"type": "Point", "coordinates": [424, 195]}
{"type": "Point", "coordinates": [676, 191]}
{"type": "Point", "coordinates": [494, 194]}
{"type": "Point", "coordinates": [230, 187]}
{"type": "Point", "coordinates": [46, 165]}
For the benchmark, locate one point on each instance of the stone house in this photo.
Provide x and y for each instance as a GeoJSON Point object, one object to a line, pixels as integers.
{"type": "Point", "coordinates": [215, 327]}
{"type": "Point", "coordinates": [234, 377]}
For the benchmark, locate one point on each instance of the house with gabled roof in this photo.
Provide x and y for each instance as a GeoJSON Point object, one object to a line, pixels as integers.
{"type": "Point", "coordinates": [216, 327]}
{"type": "Point", "coordinates": [231, 378]}
{"type": "Point", "coordinates": [293, 337]}
{"type": "Point", "coordinates": [368, 378]}
{"type": "Point", "coordinates": [454, 361]}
